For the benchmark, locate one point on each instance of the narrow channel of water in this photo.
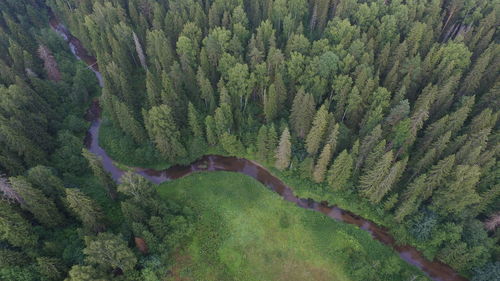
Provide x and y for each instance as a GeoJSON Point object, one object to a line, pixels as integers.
{"type": "Point", "coordinates": [436, 270]}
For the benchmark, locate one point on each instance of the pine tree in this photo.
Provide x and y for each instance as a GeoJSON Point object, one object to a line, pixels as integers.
{"type": "Point", "coordinates": [317, 132]}
{"type": "Point", "coordinates": [284, 151]}
{"type": "Point", "coordinates": [341, 171]}
{"type": "Point", "coordinates": [86, 209]}
{"type": "Point", "coordinates": [43, 209]}
{"type": "Point", "coordinates": [104, 177]}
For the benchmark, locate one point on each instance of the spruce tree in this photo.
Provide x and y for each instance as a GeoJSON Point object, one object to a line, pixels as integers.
{"type": "Point", "coordinates": [128, 122]}
{"type": "Point", "coordinates": [341, 171]}
{"type": "Point", "coordinates": [411, 198]}
{"type": "Point", "coordinates": [105, 178]}
{"type": "Point", "coordinates": [262, 149]}
{"type": "Point", "coordinates": [302, 113]}
{"type": "Point", "coordinates": [211, 130]}
{"type": "Point", "coordinates": [284, 151]}
{"type": "Point", "coordinates": [86, 209]}
{"type": "Point", "coordinates": [271, 104]}
{"type": "Point", "coordinates": [317, 132]}
{"type": "Point", "coordinates": [231, 144]}
{"type": "Point", "coordinates": [271, 143]}
{"type": "Point", "coordinates": [110, 252]}
{"type": "Point", "coordinates": [223, 119]}
{"type": "Point", "coordinates": [194, 121]}
{"type": "Point", "coordinates": [43, 209]}
{"type": "Point", "coordinates": [164, 133]}
{"type": "Point", "coordinates": [460, 192]}
{"type": "Point", "coordinates": [322, 164]}
{"type": "Point", "coordinates": [372, 178]}
{"type": "Point", "coordinates": [15, 229]}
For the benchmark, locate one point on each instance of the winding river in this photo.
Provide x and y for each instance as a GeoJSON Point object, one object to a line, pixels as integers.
{"type": "Point", "coordinates": [436, 270]}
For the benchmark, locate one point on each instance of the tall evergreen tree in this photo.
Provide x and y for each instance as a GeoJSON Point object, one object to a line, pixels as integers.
{"type": "Point", "coordinates": [262, 148]}
{"type": "Point", "coordinates": [341, 171]}
{"type": "Point", "coordinates": [43, 209]}
{"type": "Point", "coordinates": [372, 178]}
{"type": "Point", "coordinates": [318, 130]}
{"type": "Point", "coordinates": [322, 164]}
{"type": "Point", "coordinates": [15, 229]}
{"type": "Point", "coordinates": [284, 151]}
{"type": "Point", "coordinates": [105, 178]}
{"type": "Point", "coordinates": [460, 192]}
{"type": "Point", "coordinates": [109, 251]}
{"type": "Point", "coordinates": [302, 113]}
{"type": "Point", "coordinates": [194, 121]}
{"type": "Point", "coordinates": [86, 209]}
{"type": "Point", "coordinates": [164, 133]}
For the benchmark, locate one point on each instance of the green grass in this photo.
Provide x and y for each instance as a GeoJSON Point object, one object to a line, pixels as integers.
{"type": "Point", "coordinates": [244, 231]}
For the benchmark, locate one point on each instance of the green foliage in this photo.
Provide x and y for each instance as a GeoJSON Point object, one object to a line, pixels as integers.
{"type": "Point", "coordinates": [14, 228]}
{"type": "Point", "coordinates": [86, 209]}
{"type": "Point", "coordinates": [95, 164]}
{"type": "Point", "coordinates": [109, 251]}
{"type": "Point", "coordinates": [297, 234]}
{"type": "Point", "coordinates": [43, 209]}
{"type": "Point", "coordinates": [164, 131]}
{"type": "Point", "coordinates": [411, 87]}
{"type": "Point", "coordinates": [341, 171]}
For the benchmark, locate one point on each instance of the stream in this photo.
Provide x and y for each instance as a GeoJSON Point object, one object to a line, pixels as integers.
{"type": "Point", "coordinates": [436, 270]}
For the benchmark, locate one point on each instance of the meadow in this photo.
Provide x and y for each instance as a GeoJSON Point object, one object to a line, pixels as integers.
{"type": "Point", "coordinates": [244, 231]}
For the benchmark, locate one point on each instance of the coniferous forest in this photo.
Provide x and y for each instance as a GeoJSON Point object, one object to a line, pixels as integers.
{"type": "Point", "coordinates": [388, 109]}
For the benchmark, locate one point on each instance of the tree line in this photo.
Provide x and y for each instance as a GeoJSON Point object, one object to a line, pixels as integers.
{"type": "Point", "coordinates": [390, 103]}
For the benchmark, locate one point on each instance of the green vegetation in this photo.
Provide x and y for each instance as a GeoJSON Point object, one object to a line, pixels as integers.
{"type": "Point", "coordinates": [242, 226]}
{"type": "Point", "coordinates": [389, 109]}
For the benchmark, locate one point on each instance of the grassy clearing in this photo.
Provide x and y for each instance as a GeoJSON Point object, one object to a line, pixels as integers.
{"type": "Point", "coordinates": [245, 232]}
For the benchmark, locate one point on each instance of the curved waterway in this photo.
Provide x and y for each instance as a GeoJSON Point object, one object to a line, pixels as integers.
{"type": "Point", "coordinates": [436, 270]}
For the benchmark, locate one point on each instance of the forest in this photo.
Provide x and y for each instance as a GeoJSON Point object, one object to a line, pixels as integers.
{"type": "Point", "coordinates": [386, 108]}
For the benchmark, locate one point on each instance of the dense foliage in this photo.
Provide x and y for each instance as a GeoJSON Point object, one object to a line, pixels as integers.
{"type": "Point", "coordinates": [391, 104]}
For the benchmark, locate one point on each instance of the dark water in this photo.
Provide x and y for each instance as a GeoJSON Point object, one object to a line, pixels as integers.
{"type": "Point", "coordinates": [436, 270]}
